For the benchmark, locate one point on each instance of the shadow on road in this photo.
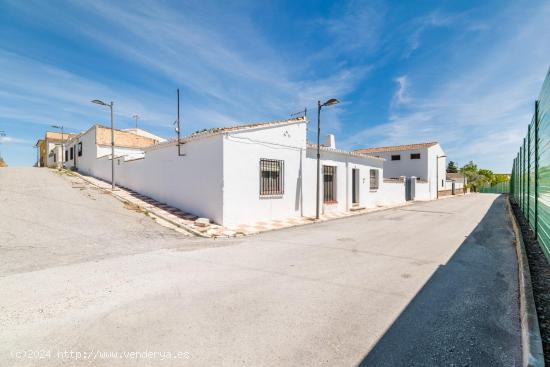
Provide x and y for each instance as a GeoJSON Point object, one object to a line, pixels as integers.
{"type": "Point", "coordinates": [467, 313]}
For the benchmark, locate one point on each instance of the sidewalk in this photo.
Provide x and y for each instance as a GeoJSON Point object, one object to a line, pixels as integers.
{"type": "Point", "coordinates": [187, 222]}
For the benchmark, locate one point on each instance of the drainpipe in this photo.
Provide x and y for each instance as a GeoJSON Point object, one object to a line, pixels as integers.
{"type": "Point", "coordinates": [347, 183]}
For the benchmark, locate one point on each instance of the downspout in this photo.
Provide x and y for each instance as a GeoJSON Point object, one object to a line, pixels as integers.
{"type": "Point", "coordinates": [347, 183]}
{"type": "Point", "coordinates": [301, 183]}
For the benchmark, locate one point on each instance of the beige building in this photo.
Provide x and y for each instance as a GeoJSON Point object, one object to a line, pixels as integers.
{"type": "Point", "coordinates": [50, 148]}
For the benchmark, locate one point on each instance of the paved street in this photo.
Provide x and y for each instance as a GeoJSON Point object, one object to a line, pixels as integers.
{"type": "Point", "coordinates": [427, 284]}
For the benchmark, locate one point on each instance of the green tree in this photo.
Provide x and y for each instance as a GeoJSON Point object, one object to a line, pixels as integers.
{"type": "Point", "coordinates": [476, 179]}
{"type": "Point", "coordinates": [451, 167]}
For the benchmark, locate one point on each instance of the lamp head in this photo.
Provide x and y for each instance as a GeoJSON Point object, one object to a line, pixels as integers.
{"type": "Point", "coordinates": [97, 101]}
{"type": "Point", "coordinates": [331, 102]}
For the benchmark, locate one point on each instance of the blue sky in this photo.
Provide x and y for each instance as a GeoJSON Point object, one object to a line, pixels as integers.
{"type": "Point", "coordinates": [464, 73]}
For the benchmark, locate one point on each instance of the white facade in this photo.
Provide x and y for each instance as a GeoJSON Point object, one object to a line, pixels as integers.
{"type": "Point", "coordinates": [82, 152]}
{"type": "Point", "coordinates": [221, 174]}
{"type": "Point", "coordinates": [426, 161]}
{"type": "Point", "coordinates": [53, 156]}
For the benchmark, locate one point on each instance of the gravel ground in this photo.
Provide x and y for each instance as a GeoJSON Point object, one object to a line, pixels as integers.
{"type": "Point", "coordinates": [540, 278]}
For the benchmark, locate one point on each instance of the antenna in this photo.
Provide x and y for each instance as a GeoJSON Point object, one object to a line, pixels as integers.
{"type": "Point", "coordinates": [136, 117]}
{"type": "Point", "coordinates": [303, 113]}
{"type": "Point", "coordinates": [178, 128]}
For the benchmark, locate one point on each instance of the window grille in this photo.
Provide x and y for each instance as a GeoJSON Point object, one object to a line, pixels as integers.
{"type": "Point", "coordinates": [415, 155]}
{"type": "Point", "coordinates": [271, 177]}
{"type": "Point", "coordinates": [396, 157]}
{"type": "Point", "coordinates": [329, 184]}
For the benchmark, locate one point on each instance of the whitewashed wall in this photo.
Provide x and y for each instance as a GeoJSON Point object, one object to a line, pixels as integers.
{"type": "Point", "coordinates": [405, 166]}
{"type": "Point", "coordinates": [422, 191]}
{"type": "Point", "coordinates": [242, 152]}
{"type": "Point", "coordinates": [53, 149]}
{"type": "Point", "coordinates": [344, 165]}
{"type": "Point", "coordinates": [391, 193]}
{"type": "Point", "coordinates": [437, 171]}
{"type": "Point", "coordinates": [192, 182]}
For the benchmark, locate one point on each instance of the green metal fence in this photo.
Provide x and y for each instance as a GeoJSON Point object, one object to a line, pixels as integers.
{"type": "Point", "coordinates": [498, 188]}
{"type": "Point", "coordinates": [530, 181]}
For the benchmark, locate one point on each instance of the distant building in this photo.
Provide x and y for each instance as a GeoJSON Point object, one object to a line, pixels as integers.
{"type": "Point", "coordinates": [425, 161]}
{"type": "Point", "coordinates": [50, 149]}
{"type": "Point", "coordinates": [83, 150]}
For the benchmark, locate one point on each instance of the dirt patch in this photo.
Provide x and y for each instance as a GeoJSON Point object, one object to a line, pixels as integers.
{"type": "Point", "coordinates": [131, 206]}
{"type": "Point", "coordinates": [540, 279]}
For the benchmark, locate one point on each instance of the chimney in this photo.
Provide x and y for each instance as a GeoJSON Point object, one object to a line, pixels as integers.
{"type": "Point", "coordinates": [330, 142]}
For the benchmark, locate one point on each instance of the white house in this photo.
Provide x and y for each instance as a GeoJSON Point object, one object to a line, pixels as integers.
{"type": "Point", "coordinates": [83, 150]}
{"type": "Point", "coordinates": [425, 161]}
{"type": "Point", "coordinates": [247, 173]}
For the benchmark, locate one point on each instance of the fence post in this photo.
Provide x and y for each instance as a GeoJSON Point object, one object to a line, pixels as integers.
{"type": "Point", "coordinates": [536, 168]}
{"type": "Point", "coordinates": [524, 177]}
{"type": "Point", "coordinates": [528, 173]}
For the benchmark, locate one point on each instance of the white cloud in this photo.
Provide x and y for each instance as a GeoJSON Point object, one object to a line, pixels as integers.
{"type": "Point", "coordinates": [12, 140]}
{"type": "Point", "coordinates": [401, 97]}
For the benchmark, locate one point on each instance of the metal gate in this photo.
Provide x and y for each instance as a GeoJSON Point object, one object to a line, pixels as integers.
{"type": "Point", "coordinates": [409, 188]}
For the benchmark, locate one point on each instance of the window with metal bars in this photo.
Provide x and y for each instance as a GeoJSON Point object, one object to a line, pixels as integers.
{"type": "Point", "coordinates": [79, 150]}
{"type": "Point", "coordinates": [329, 184]}
{"type": "Point", "coordinates": [374, 179]}
{"type": "Point", "coordinates": [271, 177]}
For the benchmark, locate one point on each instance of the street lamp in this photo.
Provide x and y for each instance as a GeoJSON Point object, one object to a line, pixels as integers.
{"type": "Point", "coordinates": [437, 174]}
{"type": "Point", "coordinates": [62, 142]}
{"type": "Point", "coordinates": [110, 105]}
{"type": "Point", "coordinates": [330, 102]}
{"type": "Point", "coordinates": [2, 134]}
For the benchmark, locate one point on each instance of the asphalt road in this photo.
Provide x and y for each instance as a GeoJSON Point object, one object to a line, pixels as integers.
{"type": "Point", "coordinates": [82, 279]}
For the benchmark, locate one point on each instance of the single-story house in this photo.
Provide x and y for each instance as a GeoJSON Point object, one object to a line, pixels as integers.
{"type": "Point", "coordinates": [50, 149]}
{"type": "Point", "coordinates": [83, 150]}
{"type": "Point", "coordinates": [425, 161]}
{"type": "Point", "coordinates": [244, 173]}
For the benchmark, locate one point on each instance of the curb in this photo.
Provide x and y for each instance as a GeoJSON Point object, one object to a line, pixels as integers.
{"type": "Point", "coordinates": [190, 230]}
{"type": "Point", "coordinates": [531, 341]}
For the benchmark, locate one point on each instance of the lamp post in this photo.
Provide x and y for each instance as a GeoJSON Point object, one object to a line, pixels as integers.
{"type": "Point", "coordinates": [62, 142]}
{"type": "Point", "coordinates": [110, 105]}
{"type": "Point", "coordinates": [437, 174]}
{"type": "Point", "coordinates": [330, 102]}
{"type": "Point", "coordinates": [2, 134]}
